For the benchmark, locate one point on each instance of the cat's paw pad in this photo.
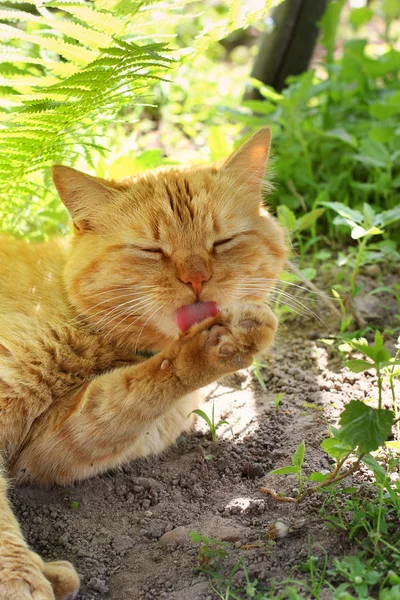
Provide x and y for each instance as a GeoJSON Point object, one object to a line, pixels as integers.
{"type": "Point", "coordinates": [252, 326]}
{"type": "Point", "coordinates": [215, 334]}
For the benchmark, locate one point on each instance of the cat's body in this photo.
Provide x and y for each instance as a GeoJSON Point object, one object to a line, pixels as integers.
{"type": "Point", "coordinates": [76, 395]}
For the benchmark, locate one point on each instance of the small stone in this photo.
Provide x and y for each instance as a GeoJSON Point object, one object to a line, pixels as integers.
{"type": "Point", "coordinates": [146, 503]}
{"type": "Point", "coordinates": [253, 470]}
{"type": "Point", "coordinates": [373, 270]}
{"type": "Point", "coordinates": [177, 536]}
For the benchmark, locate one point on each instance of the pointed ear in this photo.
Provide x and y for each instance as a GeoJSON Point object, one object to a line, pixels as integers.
{"type": "Point", "coordinates": [82, 194]}
{"type": "Point", "coordinates": [247, 165]}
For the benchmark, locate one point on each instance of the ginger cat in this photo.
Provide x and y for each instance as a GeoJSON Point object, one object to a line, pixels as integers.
{"type": "Point", "coordinates": [177, 262]}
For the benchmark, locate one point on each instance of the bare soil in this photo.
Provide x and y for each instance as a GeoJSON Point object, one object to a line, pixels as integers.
{"type": "Point", "coordinates": [127, 532]}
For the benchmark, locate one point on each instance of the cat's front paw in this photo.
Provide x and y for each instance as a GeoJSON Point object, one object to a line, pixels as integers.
{"type": "Point", "coordinates": [28, 578]}
{"type": "Point", "coordinates": [223, 344]}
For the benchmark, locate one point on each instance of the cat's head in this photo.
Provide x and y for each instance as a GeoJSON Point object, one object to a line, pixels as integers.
{"type": "Point", "coordinates": [149, 244]}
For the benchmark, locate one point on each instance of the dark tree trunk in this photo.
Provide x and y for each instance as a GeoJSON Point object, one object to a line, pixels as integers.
{"type": "Point", "coordinates": [288, 48]}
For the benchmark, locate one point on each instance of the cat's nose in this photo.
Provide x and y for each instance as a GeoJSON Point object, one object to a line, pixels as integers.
{"type": "Point", "coordinates": [196, 280]}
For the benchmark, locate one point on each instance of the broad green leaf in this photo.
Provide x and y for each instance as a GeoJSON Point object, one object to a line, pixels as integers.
{"type": "Point", "coordinates": [195, 536]}
{"type": "Point", "coordinates": [298, 456]}
{"type": "Point", "coordinates": [381, 133]}
{"type": "Point", "coordinates": [218, 143]}
{"type": "Point", "coordinates": [286, 217]}
{"type": "Point", "coordinates": [365, 427]}
{"type": "Point", "coordinates": [298, 93]}
{"type": "Point", "coordinates": [319, 477]}
{"type": "Point", "coordinates": [387, 217]}
{"type": "Point", "coordinates": [360, 16]}
{"type": "Point", "coordinates": [309, 273]}
{"type": "Point", "coordinates": [393, 445]}
{"type": "Point", "coordinates": [391, 8]}
{"type": "Point", "coordinates": [382, 478]}
{"type": "Point", "coordinates": [377, 352]}
{"type": "Point", "coordinates": [357, 365]}
{"type": "Point", "coordinates": [285, 471]}
{"type": "Point", "coordinates": [336, 448]}
{"type": "Point", "coordinates": [345, 211]}
{"type": "Point", "coordinates": [343, 135]}
{"type": "Point", "coordinates": [309, 218]}
{"type": "Point", "coordinates": [358, 232]}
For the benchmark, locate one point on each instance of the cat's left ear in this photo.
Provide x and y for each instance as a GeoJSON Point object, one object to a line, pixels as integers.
{"type": "Point", "coordinates": [247, 164]}
{"type": "Point", "coordinates": [82, 195]}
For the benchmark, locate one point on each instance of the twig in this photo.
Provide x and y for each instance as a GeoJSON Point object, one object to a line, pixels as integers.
{"type": "Point", "coordinates": [314, 288]}
{"type": "Point", "coordinates": [311, 490]}
{"type": "Point", "coordinates": [292, 188]}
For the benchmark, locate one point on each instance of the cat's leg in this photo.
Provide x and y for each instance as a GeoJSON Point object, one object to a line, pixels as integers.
{"type": "Point", "coordinates": [23, 574]}
{"type": "Point", "coordinates": [103, 423]}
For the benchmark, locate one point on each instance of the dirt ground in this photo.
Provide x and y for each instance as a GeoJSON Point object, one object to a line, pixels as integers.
{"type": "Point", "coordinates": [127, 532]}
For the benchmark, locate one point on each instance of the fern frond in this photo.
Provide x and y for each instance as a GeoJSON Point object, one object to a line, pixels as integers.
{"type": "Point", "coordinates": [66, 72]}
{"type": "Point", "coordinates": [73, 52]}
{"type": "Point", "coordinates": [99, 20]}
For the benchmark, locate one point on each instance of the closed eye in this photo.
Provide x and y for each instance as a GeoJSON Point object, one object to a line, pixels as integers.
{"type": "Point", "coordinates": [222, 242]}
{"type": "Point", "coordinates": [155, 250]}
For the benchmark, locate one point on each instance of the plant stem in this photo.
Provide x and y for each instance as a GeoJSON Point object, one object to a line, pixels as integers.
{"type": "Point", "coordinates": [333, 480]}
{"type": "Point", "coordinates": [378, 371]}
{"type": "Point", "coordinates": [339, 512]}
{"type": "Point", "coordinates": [356, 269]}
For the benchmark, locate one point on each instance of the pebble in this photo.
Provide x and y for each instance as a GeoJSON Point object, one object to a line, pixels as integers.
{"type": "Point", "coordinates": [177, 536]}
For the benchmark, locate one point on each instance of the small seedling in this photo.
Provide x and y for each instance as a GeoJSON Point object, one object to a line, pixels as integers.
{"type": "Point", "coordinates": [277, 401]}
{"type": "Point", "coordinates": [211, 551]}
{"type": "Point", "coordinates": [257, 372]}
{"type": "Point", "coordinates": [381, 359]}
{"type": "Point", "coordinates": [347, 319]}
{"type": "Point", "coordinates": [74, 504]}
{"type": "Point", "coordinates": [364, 225]}
{"type": "Point", "coordinates": [211, 422]}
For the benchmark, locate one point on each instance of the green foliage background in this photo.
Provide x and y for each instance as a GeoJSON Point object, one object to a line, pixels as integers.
{"type": "Point", "coordinates": [71, 71]}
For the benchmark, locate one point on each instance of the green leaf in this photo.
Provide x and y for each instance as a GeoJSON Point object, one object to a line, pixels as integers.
{"type": "Point", "coordinates": [309, 218]}
{"type": "Point", "coordinates": [285, 471]}
{"type": "Point", "coordinates": [393, 445]}
{"type": "Point", "coordinates": [298, 456]}
{"type": "Point", "coordinates": [343, 135]}
{"type": "Point", "coordinates": [336, 448]}
{"type": "Point", "coordinates": [391, 8]}
{"type": "Point", "coordinates": [319, 477]}
{"type": "Point", "coordinates": [345, 211]}
{"type": "Point", "coordinates": [365, 427]}
{"type": "Point", "coordinates": [377, 352]}
{"type": "Point", "coordinates": [309, 273]}
{"type": "Point", "coordinates": [359, 16]}
{"type": "Point", "coordinates": [357, 365]}
{"type": "Point", "coordinates": [204, 416]}
{"type": "Point", "coordinates": [373, 153]}
{"type": "Point", "coordinates": [196, 537]}
{"type": "Point", "coordinates": [217, 143]}
{"type": "Point", "coordinates": [329, 24]}
{"type": "Point", "coordinates": [286, 217]}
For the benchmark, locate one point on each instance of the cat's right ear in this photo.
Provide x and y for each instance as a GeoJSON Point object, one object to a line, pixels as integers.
{"type": "Point", "coordinates": [82, 194]}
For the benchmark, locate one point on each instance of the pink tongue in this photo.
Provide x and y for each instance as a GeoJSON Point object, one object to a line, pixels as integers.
{"type": "Point", "coordinates": [189, 314]}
